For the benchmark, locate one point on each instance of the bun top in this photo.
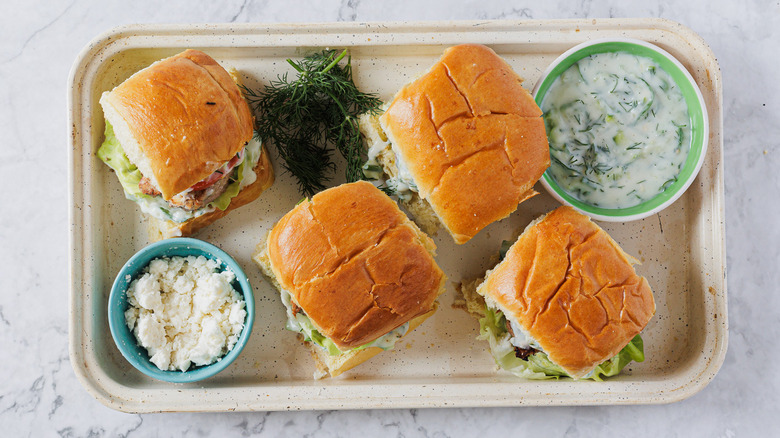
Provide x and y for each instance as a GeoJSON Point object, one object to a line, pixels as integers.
{"type": "Point", "coordinates": [572, 289]}
{"type": "Point", "coordinates": [472, 138]}
{"type": "Point", "coordinates": [354, 263]}
{"type": "Point", "coordinates": [179, 120]}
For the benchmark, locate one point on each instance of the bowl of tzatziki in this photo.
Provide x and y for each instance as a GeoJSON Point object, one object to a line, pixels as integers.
{"type": "Point", "coordinates": [627, 127]}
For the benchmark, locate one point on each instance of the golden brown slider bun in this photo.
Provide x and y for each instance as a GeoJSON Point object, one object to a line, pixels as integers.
{"type": "Point", "coordinates": [472, 138]}
{"type": "Point", "coordinates": [355, 265]}
{"type": "Point", "coordinates": [179, 120]}
{"type": "Point", "coordinates": [572, 289]}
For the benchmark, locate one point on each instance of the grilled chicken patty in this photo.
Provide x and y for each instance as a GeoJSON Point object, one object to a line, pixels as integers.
{"type": "Point", "coordinates": [192, 200]}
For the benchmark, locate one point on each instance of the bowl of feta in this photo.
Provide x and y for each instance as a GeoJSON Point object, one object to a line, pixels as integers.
{"type": "Point", "coordinates": [181, 310]}
{"type": "Point", "coordinates": [627, 128]}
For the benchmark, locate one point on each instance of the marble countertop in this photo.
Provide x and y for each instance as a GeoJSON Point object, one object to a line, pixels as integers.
{"type": "Point", "coordinates": [39, 392]}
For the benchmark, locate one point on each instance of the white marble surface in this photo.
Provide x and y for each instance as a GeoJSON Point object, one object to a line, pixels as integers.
{"type": "Point", "coordinates": [39, 393]}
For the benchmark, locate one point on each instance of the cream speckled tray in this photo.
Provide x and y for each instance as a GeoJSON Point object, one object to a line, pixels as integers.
{"type": "Point", "coordinates": [440, 364]}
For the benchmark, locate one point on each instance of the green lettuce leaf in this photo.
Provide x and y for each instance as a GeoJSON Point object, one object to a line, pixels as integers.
{"type": "Point", "coordinates": [113, 155]}
{"type": "Point", "coordinates": [232, 189]}
{"type": "Point", "coordinates": [633, 351]}
{"type": "Point", "coordinates": [538, 366]}
{"type": "Point", "coordinates": [311, 334]}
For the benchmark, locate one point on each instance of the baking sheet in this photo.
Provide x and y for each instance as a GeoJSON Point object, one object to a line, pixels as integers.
{"type": "Point", "coordinates": [682, 249]}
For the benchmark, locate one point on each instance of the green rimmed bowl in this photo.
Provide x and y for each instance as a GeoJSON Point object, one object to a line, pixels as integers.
{"type": "Point", "coordinates": [117, 305]}
{"type": "Point", "coordinates": [696, 109]}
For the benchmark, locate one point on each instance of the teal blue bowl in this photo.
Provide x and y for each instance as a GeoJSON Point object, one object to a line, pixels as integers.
{"type": "Point", "coordinates": [117, 305]}
{"type": "Point", "coordinates": [696, 108]}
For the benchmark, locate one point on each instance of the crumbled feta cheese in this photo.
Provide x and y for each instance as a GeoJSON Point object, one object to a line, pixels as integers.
{"type": "Point", "coordinates": [185, 312]}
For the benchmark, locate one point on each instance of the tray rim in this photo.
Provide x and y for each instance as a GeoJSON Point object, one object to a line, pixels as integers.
{"type": "Point", "coordinates": [398, 394]}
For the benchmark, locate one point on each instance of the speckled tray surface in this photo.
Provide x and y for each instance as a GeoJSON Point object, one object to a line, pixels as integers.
{"type": "Point", "coordinates": [440, 364]}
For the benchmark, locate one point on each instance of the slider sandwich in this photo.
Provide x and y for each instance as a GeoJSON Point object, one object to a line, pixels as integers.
{"type": "Point", "coordinates": [354, 273]}
{"type": "Point", "coordinates": [564, 301]}
{"type": "Point", "coordinates": [179, 135]}
{"type": "Point", "coordinates": [461, 146]}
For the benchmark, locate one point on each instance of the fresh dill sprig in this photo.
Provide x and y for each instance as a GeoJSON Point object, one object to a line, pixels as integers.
{"type": "Point", "coordinates": [305, 117]}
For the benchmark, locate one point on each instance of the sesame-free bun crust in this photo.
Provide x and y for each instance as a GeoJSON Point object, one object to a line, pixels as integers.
{"type": "Point", "coordinates": [573, 289]}
{"type": "Point", "coordinates": [354, 263]}
{"type": "Point", "coordinates": [472, 138]}
{"type": "Point", "coordinates": [179, 120]}
{"type": "Point", "coordinates": [163, 229]}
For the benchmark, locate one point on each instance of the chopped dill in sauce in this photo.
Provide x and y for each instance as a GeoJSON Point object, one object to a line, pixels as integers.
{"type": "Point", "coordinates": [619, 129]}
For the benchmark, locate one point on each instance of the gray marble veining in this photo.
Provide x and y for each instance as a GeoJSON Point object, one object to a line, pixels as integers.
{"type": "Point", "coordinates": [39, 393]}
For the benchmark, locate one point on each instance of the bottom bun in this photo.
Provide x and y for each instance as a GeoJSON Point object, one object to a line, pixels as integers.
{"type": "Point", "coordinates": [468, 299]}
{"type": "Point", "coordinates": [332, 366]}
{"type": "Point", "coordinates": [423, 214]}
{"type": "Point", "coordinates": [162, 229]}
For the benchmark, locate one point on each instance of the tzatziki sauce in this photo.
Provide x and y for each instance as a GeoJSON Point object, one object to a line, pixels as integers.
{"type": "Point", "coordinates": [619, 129]}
